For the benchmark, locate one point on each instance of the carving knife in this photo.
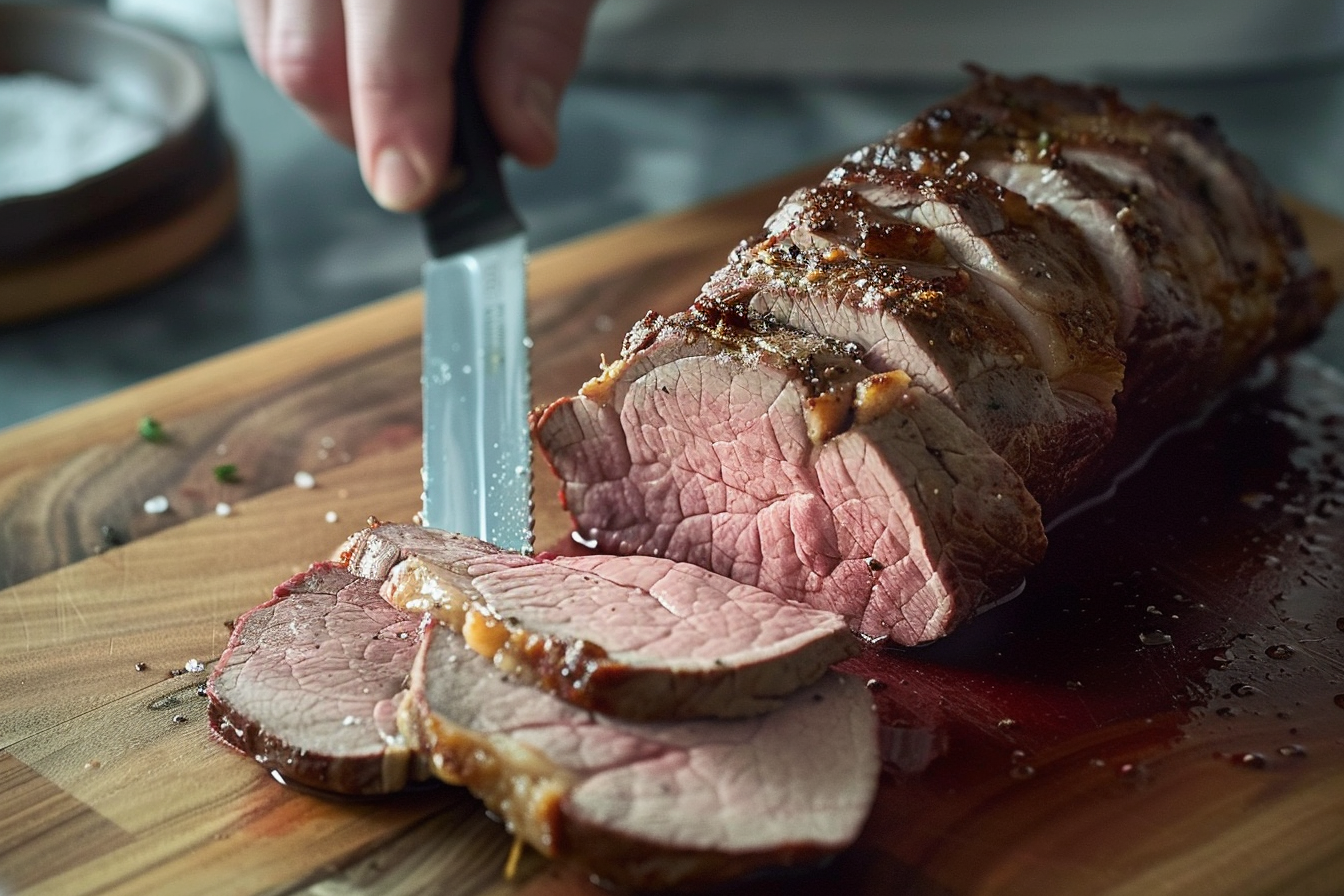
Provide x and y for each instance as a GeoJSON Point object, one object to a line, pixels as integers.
{"type": "Point", "coordinates": [476, 385]}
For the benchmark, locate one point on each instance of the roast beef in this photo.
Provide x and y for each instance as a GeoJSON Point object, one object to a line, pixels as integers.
{"type": "Point", "coordinates": [1069, 276]}
{"type": "Point", "coordinates": [775, 457]}
{"type": "Point", "coordinates": [637, 637]}
{"type": "Point", "coordinates": [648, 804]}
{"type": "Point", "coordinates": [1209, 269]}
{"type": "Point", "coordinates": [310, 682]}
{"type": "Point", "coordinates": [999, 311]}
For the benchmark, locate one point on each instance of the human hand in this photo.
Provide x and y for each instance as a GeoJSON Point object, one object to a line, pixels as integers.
{"type": "Point", "coordinates": [377, 75]}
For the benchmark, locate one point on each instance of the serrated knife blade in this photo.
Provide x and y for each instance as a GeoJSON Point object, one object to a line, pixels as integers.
{"type": "Point", "coordinates": [476, 384]}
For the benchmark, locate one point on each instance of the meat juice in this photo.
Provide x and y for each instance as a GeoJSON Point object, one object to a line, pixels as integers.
{"type": "Point", "coordinates": [1178, 655]}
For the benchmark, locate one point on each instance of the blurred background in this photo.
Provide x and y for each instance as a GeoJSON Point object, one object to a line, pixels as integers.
{"type": "Point", "coordinates": [678, 101]}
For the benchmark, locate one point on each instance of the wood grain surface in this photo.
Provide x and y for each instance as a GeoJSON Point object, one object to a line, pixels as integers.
{"type": "Point", "coordinates": [1058, 744]}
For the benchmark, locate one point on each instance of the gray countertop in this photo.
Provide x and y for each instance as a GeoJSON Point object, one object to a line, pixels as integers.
{"type": "Point", "coordinates": [311, 243]}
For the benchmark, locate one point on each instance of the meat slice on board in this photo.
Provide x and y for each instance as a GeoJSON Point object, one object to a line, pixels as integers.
{"type": "Point", "coordinates": [649, 804]}
{"type": "Point", "coordinates": [310, 682]}
{"type": "Point", "coordinates": [777, 458]}
{"type": "Point", "coordinates": [636, 637]}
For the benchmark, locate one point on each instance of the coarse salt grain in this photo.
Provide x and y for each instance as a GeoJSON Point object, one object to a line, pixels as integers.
{"type": "Point", "coordinates": [223, 509]}
{"type": "Point", "coordinates": [157, 504]}
{"type": "Point", "coordinates": [304, 479]}
{"type": "Point", "coordinates": [194, 665]}
{"type": "Point", "coordinates": [331, 516]}
{"type": "Point", "coordinates": [54, 133]}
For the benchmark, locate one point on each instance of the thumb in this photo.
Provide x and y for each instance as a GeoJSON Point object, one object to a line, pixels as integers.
{"type": "Point", "coordinates": [527, 52]}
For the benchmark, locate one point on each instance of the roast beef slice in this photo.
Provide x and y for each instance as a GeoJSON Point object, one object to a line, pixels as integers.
{"type": "Point", "coordinates": [648, 804]}
{"type": "Point", "coordinates": [637, 637]}
{"type": "Point", "coordinates": [310, 682]}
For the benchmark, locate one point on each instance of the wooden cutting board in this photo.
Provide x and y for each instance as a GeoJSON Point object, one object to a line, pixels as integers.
{"type": "Point", "coordinates": [1160, 711]}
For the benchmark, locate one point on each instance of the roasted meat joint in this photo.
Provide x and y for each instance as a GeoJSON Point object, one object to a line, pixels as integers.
{"type": "Point", "coordinates": [855, 434]}
{"type": "Point", "coordinates": [877, 403]}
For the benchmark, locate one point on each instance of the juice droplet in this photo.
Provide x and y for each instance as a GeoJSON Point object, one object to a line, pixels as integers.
{"type": "Point", "coordinates": [1294, 751]}
{"type": "Point", "coordinates": [1279, 651]}
{"type": "Point", "coordinates": [1339, 700]}
{"type": "Point", "coordinates": [1155, 638]}
{"type": "Point", "coordinates": [1022, 772]}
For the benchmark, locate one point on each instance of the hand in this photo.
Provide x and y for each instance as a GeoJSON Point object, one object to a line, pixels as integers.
{"type": "Point", "coordinates": [377, 75]}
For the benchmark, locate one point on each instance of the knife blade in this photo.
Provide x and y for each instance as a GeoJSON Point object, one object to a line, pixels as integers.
{"type": "Point", "coordinates": [476, 384]}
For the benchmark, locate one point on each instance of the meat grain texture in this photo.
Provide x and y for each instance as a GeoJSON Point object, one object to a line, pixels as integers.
{"type": "Point", "coordinates": [1066, 277]}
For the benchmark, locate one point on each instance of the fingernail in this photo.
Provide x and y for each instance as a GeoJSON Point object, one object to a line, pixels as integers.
{"type": "Point", "coordinates": [398, 185]}
{"type": "Point", "coordinates": [541, 104]}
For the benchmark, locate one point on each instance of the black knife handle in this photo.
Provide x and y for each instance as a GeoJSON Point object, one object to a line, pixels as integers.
{"type": "Point", "coordinates": [474, 206]}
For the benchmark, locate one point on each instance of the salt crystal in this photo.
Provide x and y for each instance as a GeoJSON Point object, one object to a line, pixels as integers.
{"type": "Point", "coordinates": [331, 516]}
{"type": "Point", "coordinates": [157, 504]}
{"type": "Point", "coordinates": [194, 665]}
{"type": "Point", "coordinates": [223, 509]}
{"type": "Point", "coordinates": [54, 133]}
{"type": "Point", "coordinates": [304, 479]}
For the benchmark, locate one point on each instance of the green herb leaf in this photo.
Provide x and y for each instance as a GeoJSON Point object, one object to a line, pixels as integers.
{"type": "Point", "coordinates": [227, 473]}
{"type": "Point", "coordinates": [151, 430]}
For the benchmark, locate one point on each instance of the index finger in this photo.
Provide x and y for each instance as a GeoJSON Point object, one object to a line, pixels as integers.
{"type": "Point", "coordinates": [400, 55]}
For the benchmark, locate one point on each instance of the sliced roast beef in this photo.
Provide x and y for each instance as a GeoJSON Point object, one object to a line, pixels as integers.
{"type": "Point", "coordinates": [648, 804]}
{"type": "Point", "coordinates": [1209, 268]}
{"type": "Point", "coordinates": [636, 637]}
{"type": "Point", "coordinates": [997, 310]}
{"type": "Point", "coordinates": [1070, 276]}
{"type": "Point", "coordinates": [310, 682]}
{"type": "Point", "coordinates": [775, 457]}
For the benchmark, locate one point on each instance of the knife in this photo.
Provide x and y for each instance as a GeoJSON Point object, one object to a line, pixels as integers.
{"type": "Point", "coordinates": [475, 385]}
